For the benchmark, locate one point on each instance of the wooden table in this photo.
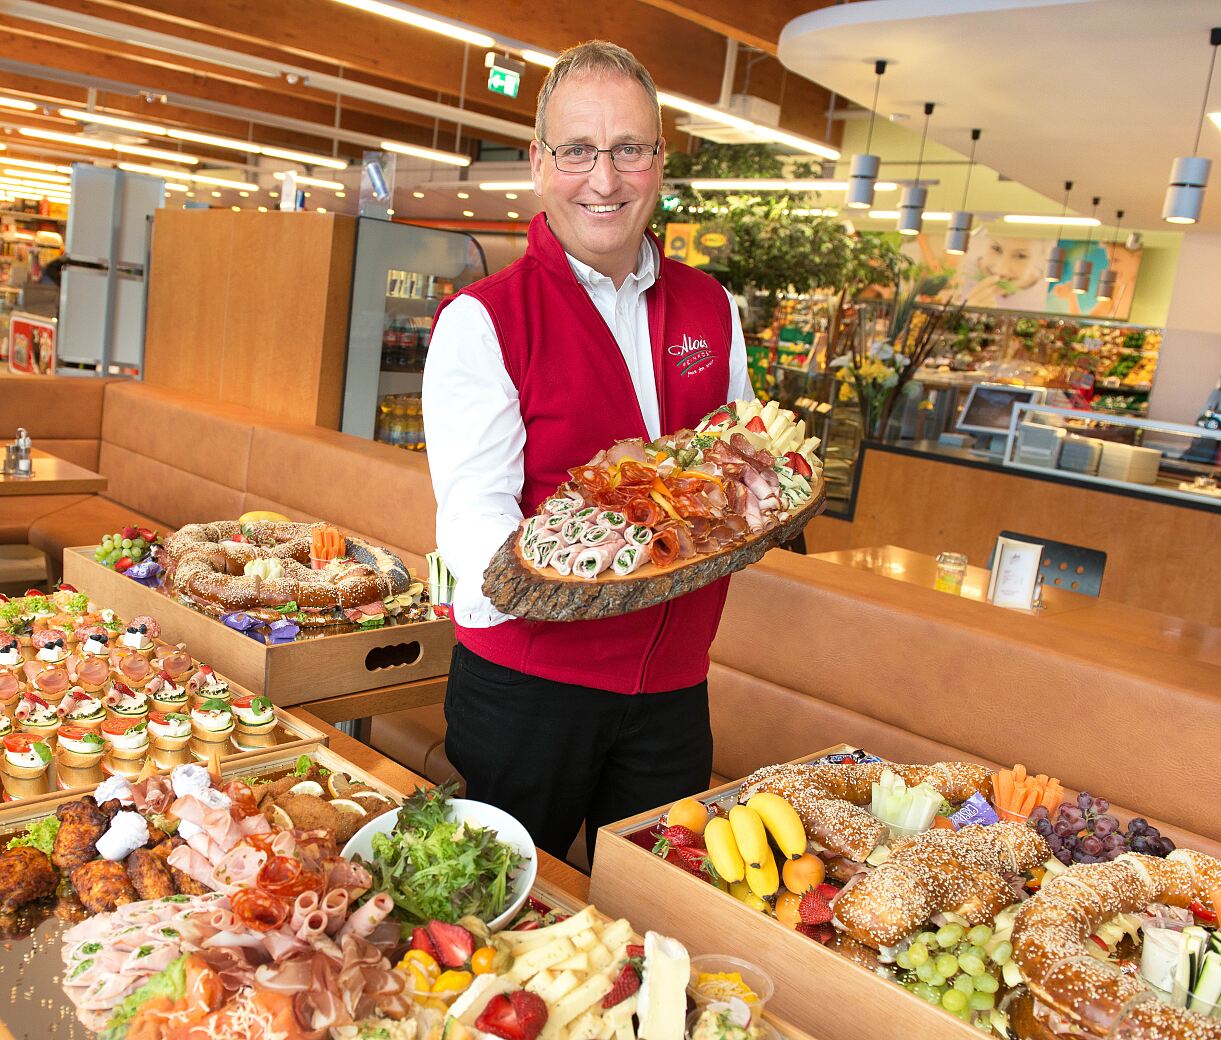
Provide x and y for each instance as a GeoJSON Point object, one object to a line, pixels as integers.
{"type": "Point", "coordinates": [1107, 620]}
{"type": "Point", "coordinates": [53, 476]}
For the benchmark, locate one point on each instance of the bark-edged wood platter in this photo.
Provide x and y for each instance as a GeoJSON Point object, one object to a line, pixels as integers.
{"type": "Point", "coordinates": [521, 590]}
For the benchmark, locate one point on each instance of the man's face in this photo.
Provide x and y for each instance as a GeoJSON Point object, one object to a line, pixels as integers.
{"type": "Point", "coordinates": [600, 216]}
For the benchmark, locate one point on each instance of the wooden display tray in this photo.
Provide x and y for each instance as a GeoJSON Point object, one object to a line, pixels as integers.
{"type": "Point", "coordinates": [301, 737]}
{"type": "Point", "coordinates": [520, 589]}
{"type": "Point", "coordinates": [815, 985]}
{"type": "Point", "coordinates": [288, 673]}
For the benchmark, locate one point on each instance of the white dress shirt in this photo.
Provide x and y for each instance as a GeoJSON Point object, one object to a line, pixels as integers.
{"type": "Point", "coordinates": [474, 430]}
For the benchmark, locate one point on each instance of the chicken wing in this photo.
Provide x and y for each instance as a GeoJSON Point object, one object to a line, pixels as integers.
{"type": "Point", "coordinates": [184, 884]}
{"type": "Point", "coordinates": [149, 874]}
{"type": "Point", "coordinates": [81, 823]}
{"type": "Point", "coordinates": [103, 885]}
{"type": "Point", "coordinates": [26, 874]}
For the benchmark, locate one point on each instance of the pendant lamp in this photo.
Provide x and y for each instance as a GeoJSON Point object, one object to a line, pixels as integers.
{"type": "Point", "coordinates": [959, 233]}
{"type": "Point", "coordinates": [864, 172]}
{"type": "Point", "coordinates": [1106, 284]}
{"type": "Point", "coordinates": [1055, 262]}
{"type": "Point", "coordinates": [1189, 175]}
{"type": "Point", "coordinates": [911, 203]}
{"type": "Point", "coordinates": [1084, 270]}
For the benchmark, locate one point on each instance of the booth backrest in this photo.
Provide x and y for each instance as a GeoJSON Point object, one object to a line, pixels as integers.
{"type": "Point", "coordinates": [810, 653]}
{"type": "Point", "coordinates": [62, 414]}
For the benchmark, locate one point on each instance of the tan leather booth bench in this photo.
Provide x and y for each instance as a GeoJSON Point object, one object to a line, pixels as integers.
{"type": "Point", "coordinates": [171, 459]}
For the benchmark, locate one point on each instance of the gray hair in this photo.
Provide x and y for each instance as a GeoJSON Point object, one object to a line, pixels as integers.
{"type": "Point", "coordinates": [594, 58]}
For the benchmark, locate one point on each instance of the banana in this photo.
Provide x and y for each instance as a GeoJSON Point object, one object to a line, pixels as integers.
{"type": "Point", "coordinates": [748, 832]}
{"type": "Point", "coordinates": [261, 514]}
{"type": "Point", "coordinates": [764, 881]}
{"type": "Point", "coordinates": [782, 822]}
{"type": "Point", "coordinates": [723, 850]}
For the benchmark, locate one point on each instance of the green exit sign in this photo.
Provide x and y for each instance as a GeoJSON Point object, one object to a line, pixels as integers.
{"type": "Point", "coordinates": [504, 81]}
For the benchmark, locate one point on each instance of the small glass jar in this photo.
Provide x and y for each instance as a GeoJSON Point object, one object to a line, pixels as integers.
{"type": "Point", "coordinates": [951, 570]}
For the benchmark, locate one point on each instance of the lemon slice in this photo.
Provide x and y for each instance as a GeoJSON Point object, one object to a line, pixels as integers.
{"type": "Point", "coordinates": [307, 787]}
{"type": "Point", "coordinates": [337, 785]}
{"type": "Point", "coordinates": [280, 818]}
{"type": "Point", "coordinates": [375, 796]}
{"type": "Point", "coordinates": [347, 805]}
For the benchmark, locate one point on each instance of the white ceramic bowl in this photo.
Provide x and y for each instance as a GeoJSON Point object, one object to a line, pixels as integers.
{"type": "Point", "coordinates": [507, 830]}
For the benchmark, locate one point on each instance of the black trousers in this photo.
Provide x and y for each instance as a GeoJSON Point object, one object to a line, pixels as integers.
{"type": "Point", "coordinates": [555, 755]}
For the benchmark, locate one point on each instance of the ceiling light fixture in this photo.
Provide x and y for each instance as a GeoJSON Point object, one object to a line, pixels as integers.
{"type": "Point", "coordinates": [417, 194]}
{"type": "Point", "coordinates": [32, 164]}
{"type": "Point", "coordinates": [234, 143]}
{"type": "Point", "coordinates": [200, 178]}
{"type": "Point", "coordinates": [307, 158]}
{"type": "Point", "coordinates": [512, 214]}
{"type": "Point", "coordinates": [313, 182]}
{"type": "Point", "coordinates": [864, 171]}
{"type": "Point", "coordinates": [18, 103]}
{"type": "Point", "coordinates": [157, 153]}
{"type": "Point", "coordinates": [1055, 261]}
{"type": "Point", "coordinates": [453, 158]}
{"type": "Point", "coordinates": [1083, 270]}
{"type": "Point", "coordinates": [82, 116]}
{"type": "Point", "coordinates": [766, 133]}
{"type": "Point", "coordinates": [914, 197]}
{"type": "Point", "coordinates": [32, 175]}
{"type": "Point", "coordinates": [1106, 284]}
{"type": "Point", "coordinates": [504, 186]}
{"type": "Point", "coordinates": [958, 234]}
{"type": "Point", "coordinates": [468, 212]}
{"type": "Point", "coordinates": [1048, 220]}
{"type": "Point", "coordinates": [934, 215]}
{"type": "Point", "coordinates": [80, 140]}
{"type": "Point", "coordinates": [419, 20]}
{"type": "Point", "coordinates": [1189, 175]}
{"type": "Point", "coordinates": [777, 184]}
{"type": "Point", "coordinates": [538, 58]}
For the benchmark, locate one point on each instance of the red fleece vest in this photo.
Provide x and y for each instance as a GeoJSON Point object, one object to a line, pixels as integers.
{"type": "Point", "coordinates": [577, 398]}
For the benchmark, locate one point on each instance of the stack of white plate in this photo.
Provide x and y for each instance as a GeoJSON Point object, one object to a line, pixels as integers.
{"type": "Point", "coordinates": [1129, 464]}
{"type": "Point", "coordinates": [1081, 454]}
{"type": "Point", "coordinates": [1039, 445]}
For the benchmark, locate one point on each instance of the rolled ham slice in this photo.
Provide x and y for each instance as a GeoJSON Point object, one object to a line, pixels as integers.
{"type": "Point", "coordinates": [571, 532]}
{"type": "Point", "coordinates": [544, 549]}
{"type": "Point", "coordinates": [628, 559]}
{"type": "Point", "coordinates": [52, 682]}
{"type": "Point", "coordinates": [368, 917]}
{"type": "Point", "coordinates": [135, 668]}
{"type": "Point", "coordinates": [176, 663]}
{"type": "Point", "coordinates": [561, 559]}
{"type": "Point", "coordinates": [93, 671]}
{"type": "Point", "coordinates": [611, 518]}
{"type": "Point", "coordinates": [597, 534]}
{"type": "Point", "coordinates": [335, 905]}
{"type": "Point", "coordinates": [593, 560]}
{"type": "Point", "coordinates": [9, 686]}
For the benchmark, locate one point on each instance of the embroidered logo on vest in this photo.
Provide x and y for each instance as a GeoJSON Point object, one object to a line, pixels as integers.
{"type": "Point", "coordinates": [692, 356]}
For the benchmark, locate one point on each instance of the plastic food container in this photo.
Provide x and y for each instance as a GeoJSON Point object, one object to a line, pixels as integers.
{"type": "Point", "coordinates": [753, 978]}
{"type": "Point", "coordinates": [767, 1030]}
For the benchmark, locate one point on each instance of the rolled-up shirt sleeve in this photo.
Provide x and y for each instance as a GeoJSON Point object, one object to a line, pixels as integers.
{"type": "Point", "coordinates": [476, 438]}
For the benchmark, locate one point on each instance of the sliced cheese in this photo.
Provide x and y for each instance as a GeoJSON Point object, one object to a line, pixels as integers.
{"type": "Point", "coordinates": [661, 1003]}
{"type": "Point", "coordinates": [536, 960]}
{"type": "Point", "coordinates": [470, 1004]}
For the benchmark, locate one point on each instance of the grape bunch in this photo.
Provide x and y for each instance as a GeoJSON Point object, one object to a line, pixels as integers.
{"type": "Point", "coordinates": [116, 547]}
{"type": "Point", "coordinates": [1087, 833]}
{"type": "Point", "coordinates": [955, 967]}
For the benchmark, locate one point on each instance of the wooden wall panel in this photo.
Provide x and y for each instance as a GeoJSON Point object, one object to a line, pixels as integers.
{"type": "Point", "coordinates": [252, 308]}
{"type": "Point", "coordinates": [1159, 556]}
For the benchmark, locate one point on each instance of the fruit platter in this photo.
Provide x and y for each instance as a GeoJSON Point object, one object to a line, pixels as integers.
{"type": "Point", "coordinates": [85, 694]}
{"type": "Point", "coordinates": [994, 897]}
{"type": "Point", "coordinates": [642, 523]}
{"type": "Point", "coordinates": [187, 906]}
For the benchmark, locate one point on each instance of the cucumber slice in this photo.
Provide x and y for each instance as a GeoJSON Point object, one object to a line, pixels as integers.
{"type": "Point", "coordinates": [1206, 993]}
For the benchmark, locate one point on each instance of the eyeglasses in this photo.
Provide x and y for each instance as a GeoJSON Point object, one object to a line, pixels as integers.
{"type": "Point", "coordinates": [581, 158]}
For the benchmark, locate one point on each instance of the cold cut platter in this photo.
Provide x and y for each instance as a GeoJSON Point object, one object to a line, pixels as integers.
{"type": "Point", "coordinates": [642, 523]}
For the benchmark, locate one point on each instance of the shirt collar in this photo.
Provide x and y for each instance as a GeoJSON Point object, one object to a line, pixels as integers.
{"type": "Point", "coordinates": [645, 273]}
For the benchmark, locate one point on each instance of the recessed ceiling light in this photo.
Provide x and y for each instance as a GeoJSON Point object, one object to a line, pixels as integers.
{"type": "Point", "coordinates": [417, 194]}
{"type": "Point", "coordinates": [262, 209]}
{"type": "Point", "coordinates": [505, 185]}
{"type": "Point", "coordinates": [313, 182]}
{"type": "Point", "coordinates": [341, 194]}
{"type": "Point", "coordinates": [236, 209]}
{"type": "Point", "coordinates": [464, 194]}
{"type": "Point", "coordinates": [513, 214]}
{"type": "Point", "coordinates": [390, 213]}
{"type": "Point", "coordinates": [244, 194]}
{"type": "Point", "coordinates": [510, 195]}
{"type": "Point", "coordinates": [468, 212]}
{"type": "Point", "coordinates": [216, 194]}
{"type": "Point", "coordinates": [274, 194]}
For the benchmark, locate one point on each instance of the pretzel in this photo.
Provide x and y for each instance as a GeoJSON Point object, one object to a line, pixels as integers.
{"type": "Point", "coordinates": [940, 871]}
{"type": "Point", "coordinates": [204, 562]}
{"type": "Point", "coordinates": [1053, 928]}
{"type": "Point", "coordinates": [826, 796]}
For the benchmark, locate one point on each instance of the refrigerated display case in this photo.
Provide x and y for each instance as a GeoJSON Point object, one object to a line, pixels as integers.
{"type": "Point", "coordinates": [401, 274]}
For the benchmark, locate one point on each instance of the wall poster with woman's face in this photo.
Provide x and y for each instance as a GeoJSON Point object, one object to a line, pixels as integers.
{"type": "Point", "coordinates": [1003, 271]}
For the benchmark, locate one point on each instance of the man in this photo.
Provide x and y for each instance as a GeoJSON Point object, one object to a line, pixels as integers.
{"type": "Point", "coordinates": [531, 372]}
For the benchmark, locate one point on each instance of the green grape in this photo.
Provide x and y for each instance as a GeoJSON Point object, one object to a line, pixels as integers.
{"type": "Point", "coordinates": [904, 960]}
{"type": "Point", "coordinates": [948, 935]}
{"type": "Point", "coordinates": [982, 1001]}
{"type": "Point", "coordinates": [979, 935]}
{"type": "Point", "coordinates": [947, 964]}
{"type": "Point", "coordinates": [985, 983]}
{"type": "Point", "coordinates": [1002, 953]}
{"type": "Point", "coordinates": [141, 543]}
{"type": "Point", "coordinates": [971, 965]}
{"type": "Point", "coordinates": [107, 542]}
{"type": "Point", "coordinates": [925, 971]}
{"type": "Point", "coordinates": [937, 980]}
{"type": "Point", "coordinates": [918, 954]}
{"type": "Point", "coordinates": [927, 938]}
{"type": "Point", "coordinates": [926, 992]}
{"type": "Point", "coordinates": [954, 1000]}
{"type": "Point", "coordinates": [965, 984]}
{"type": "Point", "coordinates": [126, 543]}
{"type": "Point", "coordinates": [117, 536]}
{"type": "Point", "coordinates": [136, 554]}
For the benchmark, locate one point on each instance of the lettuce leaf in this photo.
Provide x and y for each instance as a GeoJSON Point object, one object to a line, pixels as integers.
{"type": "Point", "coordinates": [38, 835]}
{"type": "Point", "coordinates": [170, 983]}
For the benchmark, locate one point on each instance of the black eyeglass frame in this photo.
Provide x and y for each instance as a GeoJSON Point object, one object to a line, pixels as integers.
{"type": "Point", "coordinates": [600, 151]}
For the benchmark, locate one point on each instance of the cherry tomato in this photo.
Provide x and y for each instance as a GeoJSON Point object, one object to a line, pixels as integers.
{"type": "Point", "coordinates": [483, 961]}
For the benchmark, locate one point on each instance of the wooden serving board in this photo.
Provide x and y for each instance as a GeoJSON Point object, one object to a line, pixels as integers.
{"type": "Point", "coordinates": [523, 591]}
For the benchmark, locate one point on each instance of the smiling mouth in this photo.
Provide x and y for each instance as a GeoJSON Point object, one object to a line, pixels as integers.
{"type": "Point", "coordinates": [612, 208]}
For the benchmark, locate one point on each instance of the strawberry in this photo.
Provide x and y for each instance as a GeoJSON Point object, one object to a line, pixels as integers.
{"type": "Point", "coordinates": [693, 861]}
{"type": "Point", "coordinates": [757, 425]}
{"type": "Point", "coordinates": [635, 951]}
{"type": "Point", "coordinates": [822, 933]}
{"type": "Point", "coordinates": [65, 587]}
{"type": "Point", "coordinates": [527, 926]}
{"type": "Point", "coordinates": [679, 838]}
{"type": "Point", "coordinates": [421, 940]}
{"type": "Point", "coordinates": [519, 1015]}
{"type": "Point", "coordinates": [720, 417]}
{"type": "Point", "coordinates": [798, 464]}
{"type": "Point", "coordinates": [814, 908]}
{"type": "Point", "coordinates": [3, 598]}
{"type": "Point", "coordinates": [537, 905]}
{"type": "Point", "coordinates": [33, 592]}
{"type": "Point", "coordinates": [453, 942]}
{"type": "Point", "coordinates": [130, 532]}
{"type": "Point", "coordinates": [122, 563]}
{"type": "Point", "coordinates": [147, 535]}
{"type": "Point", "coordinates": [623, 987]}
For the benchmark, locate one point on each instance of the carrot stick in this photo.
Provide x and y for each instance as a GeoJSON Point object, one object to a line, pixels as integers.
{"type": "Point", "coordinates": [1019, 773]}
{"type": "Point", "coordinates": [1028, 801]}
{"type": "Point", "coordinates": [1001, 787]}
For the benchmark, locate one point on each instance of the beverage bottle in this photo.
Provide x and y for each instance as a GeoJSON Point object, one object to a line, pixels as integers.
{"type": "Point", "coordinates": [387, 343]}
{"type": "Point", "coordinates": [410, 341]}
{"type": "Point", "coordinates": [398, 423]}
{"type": "Point", "coordinates": [379, 420]}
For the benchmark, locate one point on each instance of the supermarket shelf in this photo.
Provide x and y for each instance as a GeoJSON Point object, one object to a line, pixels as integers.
{"type": "Point", "coordinates": [31, 216]}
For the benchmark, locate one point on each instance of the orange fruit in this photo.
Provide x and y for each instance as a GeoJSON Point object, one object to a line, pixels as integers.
{"type": "Point", "coordinates": [803, 873]}
{"type": "Point", "coordinates": [787, 905]}
{"type": "Point", "coordinates": [690, 813]}
{"type": "Point", "coordinates": [943, 823]}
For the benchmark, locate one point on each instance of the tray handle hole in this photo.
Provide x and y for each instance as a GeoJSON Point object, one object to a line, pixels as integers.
{"type": "Point", "coordinates": [394, 655]}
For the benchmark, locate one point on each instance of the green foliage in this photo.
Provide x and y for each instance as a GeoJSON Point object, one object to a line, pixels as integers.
{"type": "Point", "coordinates": [775, 249]}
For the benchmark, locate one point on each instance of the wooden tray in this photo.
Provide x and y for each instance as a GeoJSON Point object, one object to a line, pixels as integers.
{"type": "Point", "coordinates": [523, 591]}
{"type": "Point", "coordinates": [814, 984]}
{"type": "Point", "coordinates": [289, 673]}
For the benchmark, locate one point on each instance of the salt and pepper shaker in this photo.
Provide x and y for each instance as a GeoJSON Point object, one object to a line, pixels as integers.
{"type": "Point", "coordinates": [18, 458]}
